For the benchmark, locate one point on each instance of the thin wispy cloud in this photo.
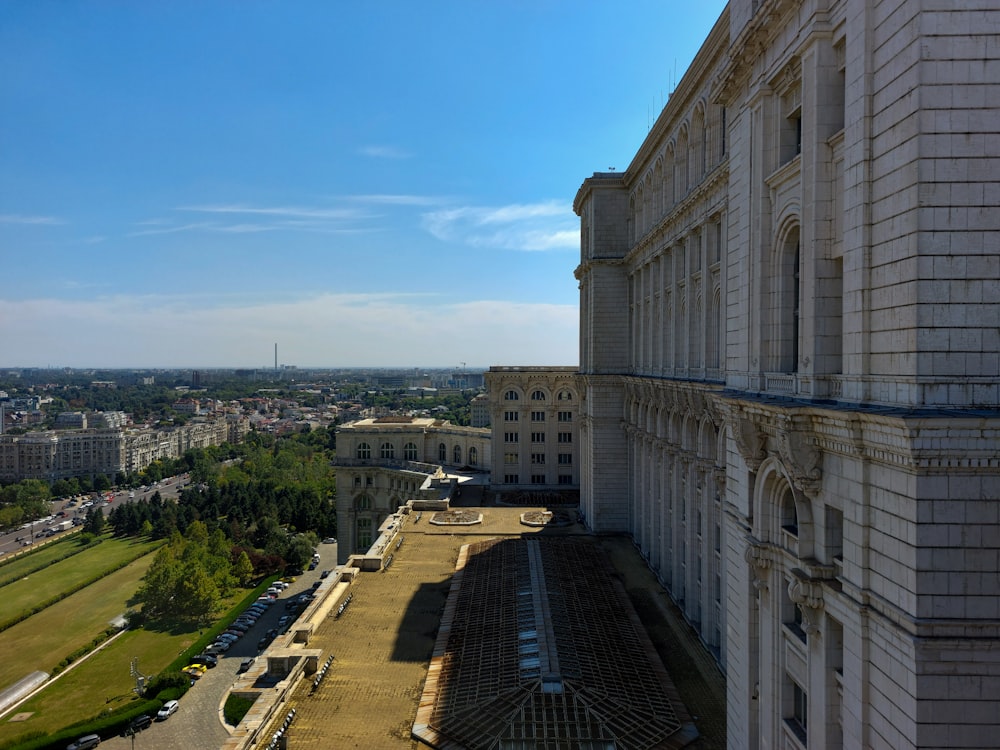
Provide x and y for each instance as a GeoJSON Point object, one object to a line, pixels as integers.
{"type": "Point", "coordinates": [25, 219]}
{"type": "Point", "coordinates": [384, 152]}
{"type": "Point", "coordinates": [96, 240]}
{"type": "Point", "coordinates": [400, 200]}
{"type": "Point", "coordinates": [172, 229]}
{"type": "Point", "coordinates": [530, 227]}
{"type": "Point", "coordinates": [308, 212]}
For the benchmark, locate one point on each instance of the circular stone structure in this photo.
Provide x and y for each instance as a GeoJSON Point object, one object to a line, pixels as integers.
{"type": "Point", "coordinates": [546, 518]}
{"type": "Point", "coordinates": [457, 518]}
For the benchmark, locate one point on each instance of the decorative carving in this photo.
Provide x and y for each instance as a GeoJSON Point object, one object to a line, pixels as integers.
{"type": "Point", "coordinates": [759, 556]}
{"type": "Point", "coordinates": [807, 593]}
{"type": "Point", "coordinates": [749, 442]}
{"type": "Point", "coordinates": [802, 458]}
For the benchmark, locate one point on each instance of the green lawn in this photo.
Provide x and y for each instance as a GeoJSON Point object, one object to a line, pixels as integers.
{"type": "Point", "coordinates": [68, 574]}
{"type": "Point", "coordinates": [25, 563]}
{"type": "Point", "coordinates": [45, 638]}
{"type": "Point", "coordinates": [101, 682]}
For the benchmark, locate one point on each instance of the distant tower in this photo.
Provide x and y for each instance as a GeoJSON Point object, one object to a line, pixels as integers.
{"type": "Point", "coordinates": [275, 356]}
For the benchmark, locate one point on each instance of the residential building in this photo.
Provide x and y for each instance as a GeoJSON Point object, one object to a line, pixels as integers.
{"type": "Point", "coordinates": [61, 454]}
{"type": "Point", "coordinates": [479, 409]}
{"type": "Point", "coordinates": [790, 365]}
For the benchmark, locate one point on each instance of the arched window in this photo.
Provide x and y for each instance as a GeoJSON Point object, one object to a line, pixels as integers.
{"type": "Point", "coordinates": [442, 452]}
{"type": "Point", "coordinates": [538, 395]}
{"type": "Point", "coordinates": [410, 452]}
{"type": "Point", "coordinates": [363, 503]}
{"type": "Point", "coordinates": [457, 454]}
{"type": "Point", "coordinates": [388, 450]}
{"type": "Point", "coordinates": [789, 514]}
{"type": "Point", "coordinates": [511, 396]}
{"type": "Point", "coordinates": [364, 451]}
{"type": "Point", "coordinates": [565, 396]}
{"type": "Point", "coordinates": [473, 456]}
{"type": "Point", "coordinates": [784, 329]}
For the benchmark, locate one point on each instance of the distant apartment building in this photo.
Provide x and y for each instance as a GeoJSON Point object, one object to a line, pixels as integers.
{"type": "Point", "coordinates": [71, 420]}
{"type": "Point", "coordinates": [480, 411]}
{"type": "Point", "coordinates": [535, 417]}
{"type": "Point", "coordinates": [61, 454]}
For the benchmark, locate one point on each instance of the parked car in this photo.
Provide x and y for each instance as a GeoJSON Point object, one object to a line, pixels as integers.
{"type": "Point", "coordinates": [140, 722]}
{"type": "Point", "coordinates": [329, 540]}
{"type": "Point", "coordinates": [283, 621]}
{"type": "Point", "coordinates": [207, 659]}
{"type": "Point", "coordinates": [325, 574]}
{"type": "Point", "coordinates": [86, 742]}
{"type": "Point", "coordinates": [195, 671]}
{"type": "Point", "coordinates": [218, 647]}
{"type": "Point", "coordinates": [245, 664]}
{"type": "Point", "coordinates": [168, 710]}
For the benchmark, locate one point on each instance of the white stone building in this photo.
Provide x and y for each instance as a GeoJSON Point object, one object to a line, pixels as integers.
{"type": "Point", "coordinates": [386, 462]}
{"type": "Point", "coordinates": [534, 415]}
{"type": "Point", "coordinates": [790, 367]}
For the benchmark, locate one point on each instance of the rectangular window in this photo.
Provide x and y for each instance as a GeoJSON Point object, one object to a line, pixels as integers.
{"type": "Point", "coordinates": [538, 479]}
{"type": "Point", "coordinates": [510, 458]}
{"type": "Point", "coordinates": [510, 416]}
{"type": "Point", "coordinates": [565, 459]}
{"type": "Point", "coordinates": [538, 437]}
{"type": "Point", "coordinates": [510, 437]}
{"type": "Point", "coordinates": [565, 416]}
{"type": "Point", "coordinates": [800, 710]}
{"type": "Point", "coordinates": [538, 416]}
{"type": "Point", "coordinates": [511, 479]}
{"type": "Point", "coordinates": [565, 479]}
{"type": "Point", "coordinates": [565, 437]}
{"type": "Point", "coordinates": [538, 458]}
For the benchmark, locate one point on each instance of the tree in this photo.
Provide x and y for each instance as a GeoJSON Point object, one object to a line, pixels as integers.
{"type": "Point", "coordinates": [243, 569]}
{"type": "Point", "coordinates": [300, 551]}
{"type": "Point", "coordinates": [94, 521]}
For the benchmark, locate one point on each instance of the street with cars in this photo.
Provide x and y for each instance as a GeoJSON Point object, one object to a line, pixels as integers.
{"type": "Point", "coordinates": [68, 513]}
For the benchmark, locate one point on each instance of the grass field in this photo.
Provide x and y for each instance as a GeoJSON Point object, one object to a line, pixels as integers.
{"type": "Point", "coordinates": [101, 682]}
{"type": "Point", "coordinates": [45, 638]}
{"type": "Point", "coordinates": [68, 574]}
{"type": "Point", "coordinates": [25, 563]}
{"type": "Point", "coordinates": [41, 641]}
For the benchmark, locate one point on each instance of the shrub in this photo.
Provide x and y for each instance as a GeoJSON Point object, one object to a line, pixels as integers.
{"type": "Point", "coordinates": [236, 708]}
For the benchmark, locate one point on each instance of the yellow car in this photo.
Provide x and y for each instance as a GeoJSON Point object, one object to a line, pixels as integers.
{"type": "Point", "coordinates": [195, 671]}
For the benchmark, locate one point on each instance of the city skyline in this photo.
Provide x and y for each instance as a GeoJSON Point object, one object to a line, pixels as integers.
{"type": "Point", "coordinates": [183, 185]}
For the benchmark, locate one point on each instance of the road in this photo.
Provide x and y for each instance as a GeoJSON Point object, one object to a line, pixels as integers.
{"type": "Point", "coordinates": [14, 541]}
{"type": "Point", "coordinates": [198, 722]}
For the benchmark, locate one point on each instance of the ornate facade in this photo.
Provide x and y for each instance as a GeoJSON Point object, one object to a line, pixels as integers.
{"type": "Point", "coordinates": [391, 461]}
{"type": "Point", "coordinates": [790, 367]}
{"type": "Point", "coordinates": [535, 416]}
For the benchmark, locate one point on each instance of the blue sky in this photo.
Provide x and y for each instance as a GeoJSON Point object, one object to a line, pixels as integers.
{"type": "Point", "coordinates": [185, 184]}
